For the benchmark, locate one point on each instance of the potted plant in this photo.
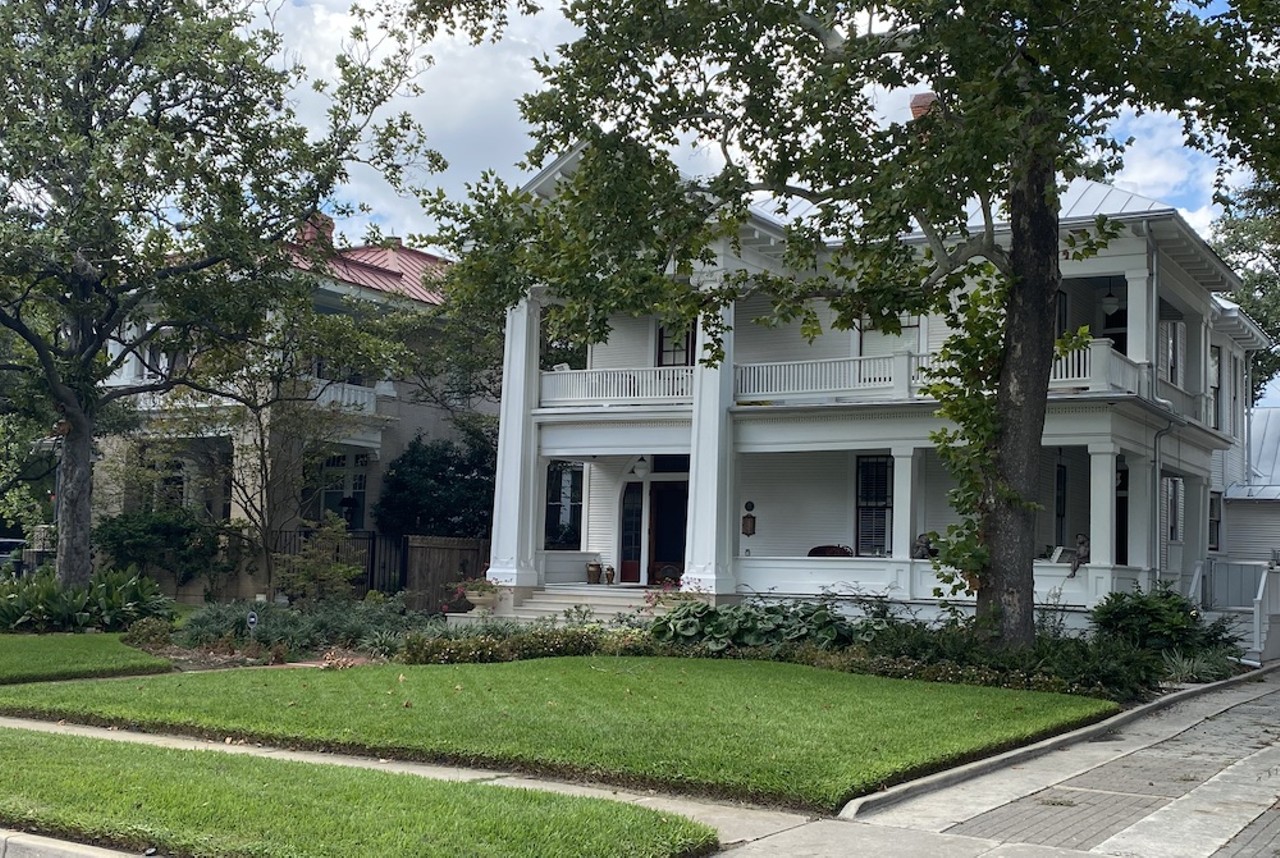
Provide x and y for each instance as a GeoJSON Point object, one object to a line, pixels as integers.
{"type": "Point", "coordinates": [480, 592]}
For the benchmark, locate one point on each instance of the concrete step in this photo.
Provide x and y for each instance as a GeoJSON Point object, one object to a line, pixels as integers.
{"type": "Point", "coordinates": [604, 601]}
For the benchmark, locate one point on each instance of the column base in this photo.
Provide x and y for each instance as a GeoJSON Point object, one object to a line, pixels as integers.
{"type": "Point", "coordinates": [714, 582]}
{"type": "Point", "coordinates": [508, 573]}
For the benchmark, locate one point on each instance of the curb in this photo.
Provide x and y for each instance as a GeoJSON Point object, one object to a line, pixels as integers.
{"type": "Point", "coordinates": [19, 844]}
{"type": "Point", "coordinates": [864, 805]}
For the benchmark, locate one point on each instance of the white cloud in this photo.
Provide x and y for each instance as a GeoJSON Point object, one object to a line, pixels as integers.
{"type": "Point", "coordinates": [469, 111]}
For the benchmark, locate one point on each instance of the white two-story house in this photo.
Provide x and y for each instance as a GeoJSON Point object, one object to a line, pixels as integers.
{"type": "Point", "coordinates": [794, 467]}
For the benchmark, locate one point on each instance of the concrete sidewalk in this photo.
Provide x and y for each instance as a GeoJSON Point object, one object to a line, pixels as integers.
{"type": "Point", "coordinates": [1193, 776]}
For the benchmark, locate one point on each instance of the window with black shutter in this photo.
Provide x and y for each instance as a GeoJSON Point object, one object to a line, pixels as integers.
{"type": "Point", "coordinates": [874, 506]}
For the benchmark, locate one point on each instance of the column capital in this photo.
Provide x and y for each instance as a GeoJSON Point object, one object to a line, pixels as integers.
{"type": "Point", "coordinates": [1104, 448]}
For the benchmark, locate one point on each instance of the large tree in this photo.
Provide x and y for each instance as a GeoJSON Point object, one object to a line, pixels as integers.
{"type": "Point", "coordinates": [1248, 237]}
{"type": "Point", "coordinates": [152, 165]}
{"type": "Point", "coordinates": [785, 91]}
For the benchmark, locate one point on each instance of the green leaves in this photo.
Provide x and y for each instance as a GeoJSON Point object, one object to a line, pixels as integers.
{"type": "Point", "coordinates": [152, 173]}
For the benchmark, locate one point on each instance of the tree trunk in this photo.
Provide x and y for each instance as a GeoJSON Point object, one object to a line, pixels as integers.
{"type": "Point", "coordinates": [75, 500]}
{"type": "Point", "coordinates": [1007, 596]}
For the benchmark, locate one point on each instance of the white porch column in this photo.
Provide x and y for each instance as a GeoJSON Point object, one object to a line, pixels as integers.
{"type": "Point", "coordinates": [713, 516]}
{"type": "Point", "coordinates": [515, 509]}
{"type": "Point", "coordinates": [1141, 315]}
{"type": "Point", "coordinates": [904, 502]}
{"type": "Point", "coordinates": [1102, 503]}
{"type": "Point", "coordinates": [1142, 518]}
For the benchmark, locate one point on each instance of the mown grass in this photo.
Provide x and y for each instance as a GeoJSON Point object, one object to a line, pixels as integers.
{"type": "Point", "coordinates": [33, 658]}
{"type": "Point", "coordinates": [208, 803]}
{"type": "Point", "coordinates": [771, 732]}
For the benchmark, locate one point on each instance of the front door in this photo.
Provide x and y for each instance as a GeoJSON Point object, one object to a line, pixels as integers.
{"type": "Point", "coordinates": [668, 514]}
{"type": "Point", "coordinates": [633, 532]}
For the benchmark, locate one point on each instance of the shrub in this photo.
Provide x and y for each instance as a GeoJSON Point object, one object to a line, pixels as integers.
{"type": "Point", "coordinates": [118, 598]}
{"type": "Point", "coordinates": [112, 600]}
{"type": "Point", "coordinates": [750, 624]}
{"type": "Point", "coordinates": [1208, 666]}
{"type": "Point", "coordinates": [316, 574]}
{"type": "Point", "coordinates": [1161, 620]}
{"type": "Point", "coordinates": [149, 633]}
{"type": "Point", "coordinates": [301, 628]}
{"type": "Point", "coordinates": [171, 539]}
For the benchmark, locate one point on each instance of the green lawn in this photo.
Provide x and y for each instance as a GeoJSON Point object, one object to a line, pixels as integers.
{"type": "Point", "coordinates": [31, 658]}
{"type": "Point", "coordinates": [208, 803]}
{"type": "Point", "coordinates": [771, 732]}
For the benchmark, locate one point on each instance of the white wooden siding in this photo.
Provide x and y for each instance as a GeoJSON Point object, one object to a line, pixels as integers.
{"type": "Point", "coordinates": [1251, 529]}
{"type": "Point", "coordinates": [754, 343]}
{"type": "Point", "coordinates": [876, 343]}
{"type": "Point", "coordinates": [937, 484]}
{"type": "Point", "coordinates": [630, 345]}
{"type": "Point", "coordinates": [602, 480]}
{"type": "Point", "coordinates": [801, 500]}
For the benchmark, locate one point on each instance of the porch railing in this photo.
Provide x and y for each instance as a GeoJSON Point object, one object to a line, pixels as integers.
{"type": "Point", "coordinates": [830, 377]}
{"type": "Point", "coordinates": [646, 385]}
{"type": "Point", "coordinates": [1097, 367]}
{"type": "Point", "coordinates": [354, 398]}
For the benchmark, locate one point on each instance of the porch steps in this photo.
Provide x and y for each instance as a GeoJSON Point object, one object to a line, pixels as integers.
{"type": "Point", "coordinates": [604, 601]}
{"type": "Point", "coordinates": [1244, 626]}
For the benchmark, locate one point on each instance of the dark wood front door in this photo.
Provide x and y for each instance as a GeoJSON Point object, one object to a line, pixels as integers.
{"type": "Point", "coordinates": [632, 533]}
{"type": "Point", "coordinates": [668, 514]}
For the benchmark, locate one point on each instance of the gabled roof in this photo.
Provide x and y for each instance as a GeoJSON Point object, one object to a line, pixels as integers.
{"type": "Point", "coordinates": [1264, 455]}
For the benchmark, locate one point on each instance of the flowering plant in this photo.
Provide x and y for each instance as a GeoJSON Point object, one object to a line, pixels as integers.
{"type": "Point", "coordinates": [476, 585]}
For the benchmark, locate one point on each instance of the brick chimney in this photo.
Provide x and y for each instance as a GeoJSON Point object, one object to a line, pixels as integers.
{"type": "Point", "coordinates": [318, 226]}
{"type": "Point", "coordinates": [921, 102]}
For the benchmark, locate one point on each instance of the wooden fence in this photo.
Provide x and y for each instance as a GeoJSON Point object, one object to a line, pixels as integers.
{"type": "Point", "coordinates": [431, 562]}
{"type": "Point", "coordinates": [419, 565]}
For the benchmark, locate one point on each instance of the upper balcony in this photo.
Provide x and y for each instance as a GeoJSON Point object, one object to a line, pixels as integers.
{"type": "Point", "coordinates": [1096, 368]}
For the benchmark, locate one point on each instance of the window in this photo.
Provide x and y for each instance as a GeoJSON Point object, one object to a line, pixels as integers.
{"type": "Point", "coordinates": [342, 487]}
{"type": "Point", "coordinates": [159, 363]}
{"type": "Point", "coordinates": [675, 348]}
{"type": "Point", "coordinates": [1237, 382]}
{"type": "Point", "coordinates": [1215, 520]}
{"type": "Point", "coordinates": [1060, 505]}
{"type": "Point", "coordinates": [874, 506]}
{"type": "Point", "coordinates": [1173, 500]}
{"type": "Point", "coordinates": [562, 528]}
{"type": "Point", "coordinates": [1060, 314]}
{"type": "Point", "coordinates": [1215, 386]}
{"type": "Point", "coordinates": [1172, 345]}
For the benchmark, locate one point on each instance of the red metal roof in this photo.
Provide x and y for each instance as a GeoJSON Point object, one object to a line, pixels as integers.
{"type": "Point", "coordinates": [394, 269]}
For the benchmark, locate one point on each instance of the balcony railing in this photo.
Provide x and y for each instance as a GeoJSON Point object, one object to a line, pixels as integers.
{"type": "Point", "coordinates": [1095, 368]}
{"type": "Point", "coordinates": [664, 385]}
{"type": "Point", "coordinates": [352, 398]}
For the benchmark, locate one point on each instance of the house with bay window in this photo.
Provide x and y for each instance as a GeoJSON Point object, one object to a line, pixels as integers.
{"type": "Point", "coordinates": [794, 467]}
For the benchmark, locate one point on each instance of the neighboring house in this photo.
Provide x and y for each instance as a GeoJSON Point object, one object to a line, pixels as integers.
{"type": "Point", "coordinates": [375, 420]}
{"type": "Point", "coordinates": [732, 478]}
{"type": "Point", "coordinates": [1251, 518]}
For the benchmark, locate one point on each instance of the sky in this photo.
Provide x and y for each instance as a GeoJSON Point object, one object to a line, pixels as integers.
{"type": "Point", "coordinates": [469, 111]}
